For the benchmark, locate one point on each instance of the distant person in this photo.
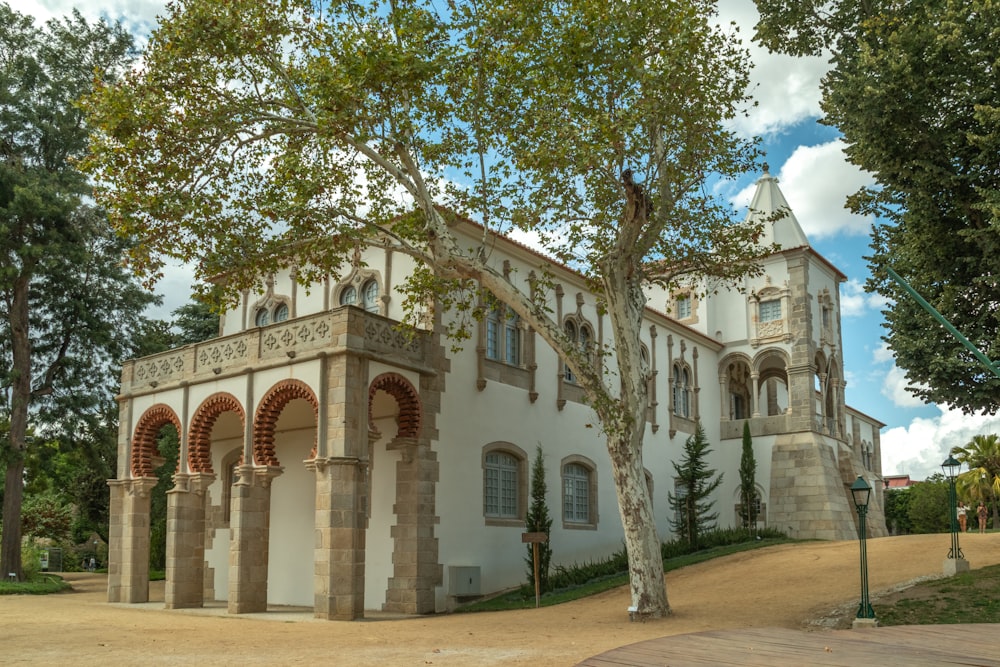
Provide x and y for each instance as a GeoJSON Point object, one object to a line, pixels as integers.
{"type": "Point", "coordinates": [93, 564]}
{"type": "Point", "coordinates": [963, 520]}
{"type": "Point", "coordinates": [981, 514]}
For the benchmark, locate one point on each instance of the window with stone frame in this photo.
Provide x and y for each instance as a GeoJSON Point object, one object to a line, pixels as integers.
{"type": "Point", "coordinates": [683, 303]}
{"type": "Point", "coordinates": [361, 289]}
{"type": "Point", "coordinates": [682, 390]}
{"type": "Point", "coordinates": [503, 336]}
{"type": "Point", "coordinates": [579, 492]}
{"type": "Point", "coordinates": [769, 311]}
{"type": "Point", "coordinates": [582, 334]}
{"type": "Point", "coordinates": [505, 484]}
{"type": "Point", "coordinates": [270, 313]}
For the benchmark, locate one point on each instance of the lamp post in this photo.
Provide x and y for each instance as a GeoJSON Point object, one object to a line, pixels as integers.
{"type": "Point", "coordinates": [861, 491]}
{"type": "Point", "coordinates": [955, 562]}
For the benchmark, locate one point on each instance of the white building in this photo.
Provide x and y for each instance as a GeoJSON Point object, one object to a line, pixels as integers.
{"type": "Point", "coordinates": [328, 460]}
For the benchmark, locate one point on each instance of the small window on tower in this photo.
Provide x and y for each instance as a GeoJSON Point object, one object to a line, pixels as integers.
{"type": "Point", "coordinates": [770, 311]}
{"type": "Point", "coordinates": [683, 307]}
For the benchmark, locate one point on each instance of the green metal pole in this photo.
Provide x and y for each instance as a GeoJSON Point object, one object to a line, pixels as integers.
{"type": "Point", "coordinates": [945, 323]}
{"type": "Point", "coordinates": [865, 609]}
{"type": "Point", "coordinates": [956, 551]}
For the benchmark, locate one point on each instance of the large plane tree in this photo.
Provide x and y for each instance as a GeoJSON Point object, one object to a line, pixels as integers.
{"type": "Point", "coordinates": [258, 127]}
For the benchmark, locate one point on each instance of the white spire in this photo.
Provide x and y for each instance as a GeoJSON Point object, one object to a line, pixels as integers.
{"type": "Point", "coordinates": [783, 229]}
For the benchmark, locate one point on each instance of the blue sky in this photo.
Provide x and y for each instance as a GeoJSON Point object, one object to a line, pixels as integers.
{"type": "Point", "coordinates": [814, 177]}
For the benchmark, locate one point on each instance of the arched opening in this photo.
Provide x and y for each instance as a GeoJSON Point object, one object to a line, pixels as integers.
{"type": "Point", "coordinates": [772, 369]}
{"type": "Point", "coordinates": [285, 437]}
{"type": "Point", "coordinates": [215, 447]}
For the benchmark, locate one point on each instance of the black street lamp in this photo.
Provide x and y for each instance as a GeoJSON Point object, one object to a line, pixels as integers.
{"type": "Point", "coordinates": [951, 467]}
{"type": "Point", "coordinates": [862, 491]}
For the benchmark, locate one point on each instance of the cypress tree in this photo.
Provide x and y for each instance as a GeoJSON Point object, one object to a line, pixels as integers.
{"type": "Point", "coordinates": [539, 521]}
{"type": "Point", "coordinates": [748, 482]}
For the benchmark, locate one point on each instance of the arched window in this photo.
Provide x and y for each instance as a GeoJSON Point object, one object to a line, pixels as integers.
{"type": "Point", "coordinates": [281, 312]}
{"type": "Point", "coordinates": [682, 391]}
{"type": "Point", "coordinates": [583, 335]}
{"type": "Point", "coordinates": [369, 296]}
{"type": "Point", "coordinates": [576, 493]}
{"type": "Point", "coordinates": [571, 333]}
{"type": "Point", "coordinates": [505, 484]}
{"type": "Point", "coordinates": [271, 313]}
{"type": "Point", "coordinates": [349, 296]}
{"type": "Point", "coordinates": [579, 482]}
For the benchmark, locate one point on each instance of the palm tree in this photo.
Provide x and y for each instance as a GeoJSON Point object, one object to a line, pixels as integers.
{"type": "Point", "coordinates": [982, 480]}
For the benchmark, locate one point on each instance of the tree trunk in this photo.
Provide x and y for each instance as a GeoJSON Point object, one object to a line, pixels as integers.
{"type": "Point", "coordinates": [10, 551]}
{"type": "Point", "coordinates": [645, 558]}
{"type": "Point", "coordinates": [20, 397]}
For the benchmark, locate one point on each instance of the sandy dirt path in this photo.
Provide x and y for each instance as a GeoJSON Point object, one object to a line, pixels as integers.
{"type": "Point", "coordinates": [788, 586]}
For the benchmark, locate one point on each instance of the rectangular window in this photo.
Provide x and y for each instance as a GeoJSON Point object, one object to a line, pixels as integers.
{"type": "Point", "coordinates": [512, 342]}
{"type": "Point", "coordinates": [737, 407]}
{"type": "Point", "coordinates": [770, 311]}
{"type": "Point", "coordinates": [683, 307]}
{"type": "Point", "coordinates": [492, 338]}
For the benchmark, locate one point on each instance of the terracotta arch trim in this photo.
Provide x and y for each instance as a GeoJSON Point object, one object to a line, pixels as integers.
{"type": "Point", "coordinates": [144, 448]}
{"type": "Point", "coordinates": [200, 433]}
{"type": "Point", "coordinates": [410, 410]}
{"type": "Point", "coordinates": [267, 418]}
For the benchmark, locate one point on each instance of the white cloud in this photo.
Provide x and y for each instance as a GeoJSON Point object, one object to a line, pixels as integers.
{"type": "Point", "coordinates": [917, 450]}
{"type": "Point", "coordinates": [138, 16]}
{"type": "Point", "coordinates": [883, 354]}
{"type": "Point", "coordinates": [856, 302]}
{"type": "Point", "coordinates": [894, 387]}
{"type": "Point", "coordinates": [175, 287]}
{"type": "Point", "coordinates": [786, 88]}
{"type": "Point", "coordinates": [816, 180]}
{"type": "Point", "coordinates": [853, 299]}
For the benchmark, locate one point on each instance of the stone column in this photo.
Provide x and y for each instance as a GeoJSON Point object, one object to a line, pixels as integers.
{"type": "Point", "coordinates": [416, 570]}
{"type": "Point", "coordinates": [341, 520]}
{"type": "Point", "coordinates": [130, 550]}
{"type": "Point", "coordinates": [249, 524]}
{"type": "Point", "coordinates": [116, 528]}
{"type": "Point", "coordinates": [186, 541]}
{"type": "Point", "coordinates": [755, 395]}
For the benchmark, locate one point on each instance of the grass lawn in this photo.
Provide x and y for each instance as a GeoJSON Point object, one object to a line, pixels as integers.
{"type": "Point", "coordinates": [969, 597]}
{"type": "Point", "coordinates": [40, 584]}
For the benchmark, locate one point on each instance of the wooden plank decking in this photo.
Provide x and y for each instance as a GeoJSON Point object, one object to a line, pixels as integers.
{"type": "Point", "coordinates": [912, 645]}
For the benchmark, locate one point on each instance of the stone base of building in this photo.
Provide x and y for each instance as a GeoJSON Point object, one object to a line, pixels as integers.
{"type": "Point", "coordinates": [808, 498]}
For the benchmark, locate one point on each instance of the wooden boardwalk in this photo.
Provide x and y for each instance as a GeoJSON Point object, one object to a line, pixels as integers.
{"type": "Point", "coordinates": [909, 645]}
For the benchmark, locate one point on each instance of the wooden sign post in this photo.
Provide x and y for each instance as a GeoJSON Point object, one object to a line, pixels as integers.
{"type": "Point", "coordinates": [534, 539]}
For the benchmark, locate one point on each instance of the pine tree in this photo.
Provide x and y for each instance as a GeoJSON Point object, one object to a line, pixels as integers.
{"type": "Point", "coordinates": [696, 482]}
{"type": "Point", "coordinates": [539, 521]}
{"type": "Point", "coordinates": [748, 482]}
